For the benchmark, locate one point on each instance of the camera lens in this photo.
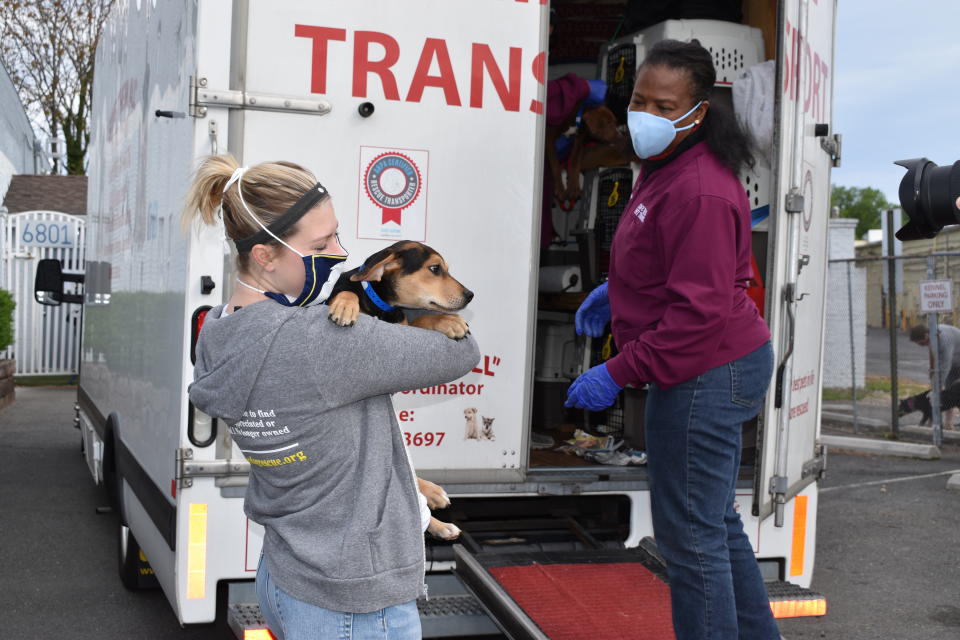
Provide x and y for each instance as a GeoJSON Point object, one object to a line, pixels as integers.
{"type": "Point", "coordinates": [928, 194]}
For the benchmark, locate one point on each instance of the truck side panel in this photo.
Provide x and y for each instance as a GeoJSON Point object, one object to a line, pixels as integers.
{"type": "Point", "coordinates": [135, 329]}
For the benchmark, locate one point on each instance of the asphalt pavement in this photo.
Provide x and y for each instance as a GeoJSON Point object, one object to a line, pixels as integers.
{"type": "Point", "coordinates": [913, 361]}
{"type": "Point", "coordinates": [59, 579]}
{"type": "Point", "coordinates": [888, 532]}
{"type": "Point", "coordinates": [887, 541]}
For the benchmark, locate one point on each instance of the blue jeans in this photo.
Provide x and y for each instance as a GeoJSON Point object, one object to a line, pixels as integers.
{"type": "Point", "coordinates": [693, 444]}
{"type": "Point", "coordinates": [292, 619]}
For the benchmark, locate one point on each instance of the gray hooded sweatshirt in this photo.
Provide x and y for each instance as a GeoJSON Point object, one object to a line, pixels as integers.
{"type": "Point", "coordinates": [309, 405]}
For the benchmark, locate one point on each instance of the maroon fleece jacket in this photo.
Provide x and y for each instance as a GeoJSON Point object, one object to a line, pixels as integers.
{"type": "Point", "coordinates": [679, 268]}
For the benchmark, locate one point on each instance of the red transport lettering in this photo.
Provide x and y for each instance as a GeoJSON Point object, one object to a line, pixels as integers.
{"type": "Point", "coordinates": [377, 53]}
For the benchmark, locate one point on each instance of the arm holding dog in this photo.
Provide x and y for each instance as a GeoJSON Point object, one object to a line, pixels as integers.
{"type": "Point", "coordinates": [390, 358]}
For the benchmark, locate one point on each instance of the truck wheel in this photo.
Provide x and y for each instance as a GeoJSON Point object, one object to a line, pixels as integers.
{"type": "Point", "coordinates": [135, 571]}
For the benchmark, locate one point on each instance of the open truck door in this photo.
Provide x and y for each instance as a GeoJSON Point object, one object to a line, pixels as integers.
{"type": "Point", "coordinates": [807, 147]}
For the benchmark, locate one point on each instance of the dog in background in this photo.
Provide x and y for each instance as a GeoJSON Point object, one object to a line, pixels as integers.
{"type": "Point", "coordinates": [473, 429]}
{"type": "Point", "coordinates": [406, 275]}
{"type": "Point", "coordinates": [949, 399]}
{"type": "Point", "coordinates": [487, 428]}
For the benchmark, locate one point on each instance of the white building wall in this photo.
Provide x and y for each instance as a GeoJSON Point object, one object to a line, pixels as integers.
{"type": "Point", "coordinates": [16, 135]}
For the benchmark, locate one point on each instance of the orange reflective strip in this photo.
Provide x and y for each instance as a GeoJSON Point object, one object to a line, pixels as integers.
{"type": "Point", "coordinates": [258, 634]}
{"type": "Point", "coordinates": [798, 608]}
{"type": "Point", "coordinates": [799, 535]}
{"type": "Point", "coordinates": [197, 552]}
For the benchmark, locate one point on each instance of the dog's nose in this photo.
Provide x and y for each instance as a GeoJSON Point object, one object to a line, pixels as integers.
{"type": "Point", "coordinates": [468, 294]}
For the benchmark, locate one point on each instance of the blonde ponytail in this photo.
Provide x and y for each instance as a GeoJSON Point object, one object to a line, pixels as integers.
{"type": "Point", "coordinates": [269, 189]}
{"type": "Point", "coordinates": [206, 191]}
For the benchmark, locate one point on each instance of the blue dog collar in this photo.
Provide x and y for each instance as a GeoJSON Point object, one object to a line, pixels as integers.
{"type": "Point", "coordinates": [374, 298]}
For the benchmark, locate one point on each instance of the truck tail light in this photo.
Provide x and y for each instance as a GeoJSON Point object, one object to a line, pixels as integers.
{"type": "Point", "coordinates": [196, 323]}
{"type": "Point", "coordinates": [197, 551]}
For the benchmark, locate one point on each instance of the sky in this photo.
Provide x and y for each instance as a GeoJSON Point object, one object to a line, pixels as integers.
{"type": "Point", "coordinates": [897, 88]}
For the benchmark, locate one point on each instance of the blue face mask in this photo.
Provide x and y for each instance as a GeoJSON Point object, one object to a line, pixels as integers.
{"type": "Point", "coordinates": [321, 270]}
{"type": "Point", "coordinates": [652, 134]}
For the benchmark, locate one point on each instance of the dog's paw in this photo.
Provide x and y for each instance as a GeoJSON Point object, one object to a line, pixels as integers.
{"type": "Point", "coordinates": [449, 324]}
{"type": "Point", "coordinates": [443, 530]}
{"type": "Point", "coordinates": [436, 497]}
{"type": "Point", "coordinates": [344, 309]}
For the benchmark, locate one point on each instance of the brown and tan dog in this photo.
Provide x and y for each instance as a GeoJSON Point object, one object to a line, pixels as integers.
{"type": "Point", "coordinates": [406, 275]}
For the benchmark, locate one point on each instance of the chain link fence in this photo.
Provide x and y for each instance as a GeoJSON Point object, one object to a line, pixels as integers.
{"type": "Point", "coordinates": [875, 377]}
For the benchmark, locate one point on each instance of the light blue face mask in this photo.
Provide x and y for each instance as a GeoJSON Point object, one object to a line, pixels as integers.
{"type": "Point", "coordinates": [652, 134]}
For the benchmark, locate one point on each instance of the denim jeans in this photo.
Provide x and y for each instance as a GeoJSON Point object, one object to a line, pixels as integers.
{"type": "Point", "coordinates": [292, 619]}
{"type": "Point", "coordinates": [693, 444]}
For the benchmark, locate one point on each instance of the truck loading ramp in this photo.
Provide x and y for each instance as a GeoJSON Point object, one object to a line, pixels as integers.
{"type": "Point", "coordinates": [601, 594]}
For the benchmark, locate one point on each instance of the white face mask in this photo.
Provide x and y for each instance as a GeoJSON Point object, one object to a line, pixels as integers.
{"type": "Point", "coordinates": [652, 134]}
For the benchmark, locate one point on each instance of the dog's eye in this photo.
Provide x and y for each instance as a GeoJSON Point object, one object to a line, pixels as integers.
{"type": "Point", "coordinates": [435, 269]}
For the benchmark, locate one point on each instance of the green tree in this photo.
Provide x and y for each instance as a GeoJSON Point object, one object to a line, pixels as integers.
{"type": "Point", "coordinates": [866, 204]}
{"type": "Point", "coordinates": [48, 48]}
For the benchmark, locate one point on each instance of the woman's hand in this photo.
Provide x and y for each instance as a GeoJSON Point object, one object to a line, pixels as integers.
{"type": "Point", "coordinates": [594, 313]}
{"type": "Point", "coordinates": [595, 390]}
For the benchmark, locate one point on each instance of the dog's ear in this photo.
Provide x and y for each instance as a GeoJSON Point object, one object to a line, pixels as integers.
{"type": "Point", "coordinates": [381, 264]}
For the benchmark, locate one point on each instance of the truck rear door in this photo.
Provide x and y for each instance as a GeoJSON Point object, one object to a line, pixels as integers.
{"type": "Point", "coordinates": [433, 134]}
{"type": "Point", "coordinates": [804, 113]}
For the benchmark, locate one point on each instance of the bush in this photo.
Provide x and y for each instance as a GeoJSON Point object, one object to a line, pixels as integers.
{"type": "Point", "coordinates": [6, 319]}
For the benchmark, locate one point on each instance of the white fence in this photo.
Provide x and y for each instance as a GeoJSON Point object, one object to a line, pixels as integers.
{"type": "Point", "coordinates": [46, 339]}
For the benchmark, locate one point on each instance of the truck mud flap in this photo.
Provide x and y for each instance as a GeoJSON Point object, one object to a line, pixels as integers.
{"type": "Point", "coordinates": [599, 593]}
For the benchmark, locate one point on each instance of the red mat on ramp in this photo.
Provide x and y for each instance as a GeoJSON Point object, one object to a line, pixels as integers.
{"type": "Point", "coordinates": [616, 601]}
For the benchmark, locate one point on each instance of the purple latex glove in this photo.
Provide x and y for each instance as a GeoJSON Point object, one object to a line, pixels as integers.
{"type": "Point", "coordinates": [594, 313]}
{"type": "Point", "coordinates": [595, 390]}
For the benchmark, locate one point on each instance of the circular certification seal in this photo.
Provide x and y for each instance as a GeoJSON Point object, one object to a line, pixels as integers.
{"type": "Point", "coordinates": [392, 181]}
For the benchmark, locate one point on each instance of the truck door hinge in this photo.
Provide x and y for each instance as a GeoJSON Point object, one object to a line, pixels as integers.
{"type": "Point", "coordinates": [818, 465]}
{"type": "Point", "coordinates": [188, 468]}
{"type": "Point", "coordinates": [202, 97]}
{"type": "Point", "coordinates": [834, 146]}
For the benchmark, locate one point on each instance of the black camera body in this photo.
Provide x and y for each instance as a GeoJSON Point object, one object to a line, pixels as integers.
{"type": "Point", "coordinates": [928, 195]}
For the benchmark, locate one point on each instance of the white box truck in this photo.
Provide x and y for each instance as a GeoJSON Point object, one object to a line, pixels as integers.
{"type": "Point", "coordinates": [453, 94]}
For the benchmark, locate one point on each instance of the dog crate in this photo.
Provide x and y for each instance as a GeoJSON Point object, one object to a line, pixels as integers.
{"type": "Point", "coordinates": [734, 47]}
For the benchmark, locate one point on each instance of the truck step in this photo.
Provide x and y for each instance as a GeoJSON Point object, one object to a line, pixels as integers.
{"type": "Point", "coordinates": [793, 601]}
{"type": "Point", "coordinates": [451, 616]}
{"type": "Point", "coordinates": [442, 616]}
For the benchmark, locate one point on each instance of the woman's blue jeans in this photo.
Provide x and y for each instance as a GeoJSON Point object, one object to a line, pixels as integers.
{"type": "Point", "coordinates": [693, 448]}
{"type": "Point", "coordinates": [292, 619]}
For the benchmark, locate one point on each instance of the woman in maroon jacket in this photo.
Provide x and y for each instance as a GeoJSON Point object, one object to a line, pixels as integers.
{"type": "Point", "coordinates": [677, 304]}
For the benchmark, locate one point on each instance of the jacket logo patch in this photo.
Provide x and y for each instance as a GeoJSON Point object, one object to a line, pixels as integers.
{"type": "Point", "coordinates": [641, 212]}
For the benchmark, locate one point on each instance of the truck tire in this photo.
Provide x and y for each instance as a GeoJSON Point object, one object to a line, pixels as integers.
{"type": "Point", "coordinates": [136, 573]}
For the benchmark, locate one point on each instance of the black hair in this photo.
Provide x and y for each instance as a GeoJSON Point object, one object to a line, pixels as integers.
{"type": "Point", "coordinates": [918, 333]}
{"type": "Point", "coordinates": [726, 138]}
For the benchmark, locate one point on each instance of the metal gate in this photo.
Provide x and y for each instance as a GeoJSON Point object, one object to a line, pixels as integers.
{"type": "Point", "coordinates": [46, 339]}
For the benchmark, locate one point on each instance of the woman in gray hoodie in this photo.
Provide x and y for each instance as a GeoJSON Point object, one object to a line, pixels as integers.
{"type": "Point", "coordinates": [308, 403]}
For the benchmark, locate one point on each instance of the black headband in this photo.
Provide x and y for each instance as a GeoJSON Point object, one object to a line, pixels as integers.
{"type": "Point", "coordinates": [286, 220]}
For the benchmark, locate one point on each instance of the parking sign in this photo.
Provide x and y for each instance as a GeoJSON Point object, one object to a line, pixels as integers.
{"type": "Point", "coordinates": [936, 296]}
